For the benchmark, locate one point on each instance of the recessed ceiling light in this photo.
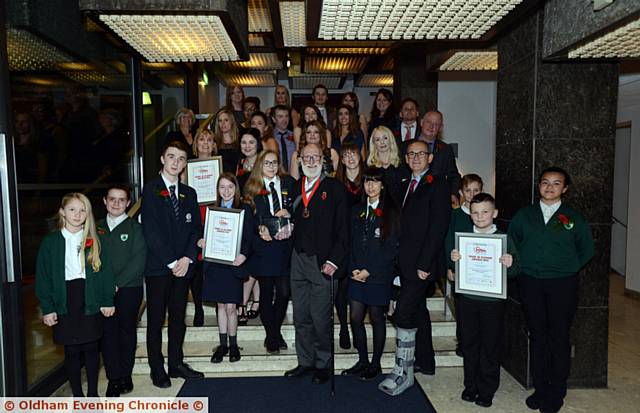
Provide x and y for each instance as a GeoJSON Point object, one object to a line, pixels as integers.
{"type": "Point", "coordinates": [259, 16]}
{"type": "Point", "coordinates": [27, 51]}
{"type": "Point", "coordinates": [471, 60]}
{"type": "Point", "coordinates": [258, 61]}
{"type": "Point", "coordinates": [373, 80]}
{"type": "Point", "coordinates": [293, 23]}
{"type": "Point", "coordinates": [249, 79]}
{"type": "Point", "coordinates": [335, 64]}
{"type": "Point", "coordinates": [623, 42]}
{"type": "Point", "coordinates": [308, 82]}
{"type": "Point", "coordinates": [349, 50]}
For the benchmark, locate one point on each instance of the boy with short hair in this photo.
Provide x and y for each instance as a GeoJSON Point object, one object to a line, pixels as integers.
{"type": "Point", "coordinates": [481, 319]}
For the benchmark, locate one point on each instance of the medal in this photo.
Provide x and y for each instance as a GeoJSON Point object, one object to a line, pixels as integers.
{"type": "Point", "coordinates": [307, 195]}
{"type": "Point", "coordinates": [305, 213]}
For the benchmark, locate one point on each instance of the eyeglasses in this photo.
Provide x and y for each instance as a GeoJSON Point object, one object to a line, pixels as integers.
{"type": "Point", "coordinates": [310, 159]}
{"type": "Point", "coordinates": [349, 154]}
{"type": "Point", "coordinates": [420, 155]}
{"type": "Point", "coordinates": [270, 163]}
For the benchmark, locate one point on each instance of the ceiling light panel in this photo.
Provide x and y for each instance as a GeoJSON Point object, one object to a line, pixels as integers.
{"type": "Point", "coordinates": [256, 40]}
{"type": "Point", "coordinates": [349, 50]}
{"type": "Point", "coordinates": [259, 16]}
{"type": "Point", "coordinates": [27, 51]}
{"type": "Point", "coordinates": [335, 64]}
{"type": "Point", "coordinates": [167, 38]}
{"type": "Point", "coordinates": [623, 42]}
{"type": "Point", "coordinates": [249, 79]}
{"type": "Point", "coordinates": [293, 23]}
{"type": "Point", "coordinates": [308, 82]}
{"type": "Point", "coordinates": [472, 60]}
{"type": "Point", "coordinates": [258, 61]}
{"type": "Point", "coordinates": [410, 19]}
{"type": "Point", "coordinates": [376, 80]}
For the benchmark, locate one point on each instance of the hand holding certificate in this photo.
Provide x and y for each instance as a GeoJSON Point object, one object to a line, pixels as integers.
{"type": "Point", "coordinates": [223, 235]}
{"type": "Point", "coordinates": [481, 264]}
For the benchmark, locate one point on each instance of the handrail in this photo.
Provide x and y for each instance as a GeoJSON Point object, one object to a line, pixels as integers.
{"type": "Point", "coordinates": [158, 128]}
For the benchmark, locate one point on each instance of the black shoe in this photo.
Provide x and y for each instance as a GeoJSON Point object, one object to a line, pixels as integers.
{"type": "Point", "coordinates": [126, 385]}
{"type": "Point", "coordinates": [282, 344]}
{"type": "Point", "coordinates": [458, 352]}
{"type": "Point", "coordinates": [320, 376]}
{"type": "Point", "coordinates": [345, 340]}
{"type": "Point", "coordinates": [371, 373]}
{"type": "Point", "coordinates": [113, 388]}
{"type": "Point", "coordinates": [272, 348]}
{"type": "Point", "coordinates": [534, 401]}
{"type": "Point", "coordinates": [484, 402]}
{"type": "Point", "coordinates": [356, 369]}
{"type": "Point", "coordinates": [298, 371]}
{"type": "Point", "coordinates": [551, 407]}
{"type": "Point", "coordinates": [198, 318]}
{"type": "Point", "coordinates": [468, 396]}
{"type": "Point", "coordinates": [219, 354]}
{"type": "Point", "coordinates": [183, 370]}
{"type": "Point", "coordinates": [426, 371]}
{"type": "Point", "coordinates": [234, 354]}
{"type": "Point", "coordinates": [161, 380]}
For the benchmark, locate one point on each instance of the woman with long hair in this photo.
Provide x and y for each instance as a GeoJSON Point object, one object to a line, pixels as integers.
{"type": "Point", "coordinates": [225, 133]}
{"type": "Point", "coordinates": [309, 114]}
{"type": "Point", "coordinates": [314, 132]}
{"type": "Point", "coordinates": [350, 171]}
{"type": "Point", "coordinates": [260, 121]}
{"type": "Point", "coordinates": [383, 112]}
{"type": "Point", "coordinates": [347, 129]}
{"type": "Point", "coordinates": [384, 153]}
{"type": "Point", "coordinates": [233, 102]}
{"type": "Point", "coordinates": [352, 100]}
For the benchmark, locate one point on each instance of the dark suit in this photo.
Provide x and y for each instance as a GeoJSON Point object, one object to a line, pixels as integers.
{"type": "Point", "coordinates": [397, 133]}
{"type": "Point", "coordinates": [424, 223]}
{"type": "Point", "coordinates": [322, 236]}
{"type": "Point", "coordinates": [443, 164]}
{"type": "Point", "coordinates": [168, 239]}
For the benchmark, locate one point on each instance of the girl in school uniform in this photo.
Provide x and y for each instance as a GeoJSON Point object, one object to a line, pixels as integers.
{"type": "Point", "coordinates": [75, 286]}
{"type": "Point", "coordinates": [374, 247]}
{"type": "Point", "coordinates": [223, 282]}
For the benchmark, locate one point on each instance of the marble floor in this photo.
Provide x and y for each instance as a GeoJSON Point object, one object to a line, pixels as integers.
{"type": "Point", "coordinates": [443, 389]}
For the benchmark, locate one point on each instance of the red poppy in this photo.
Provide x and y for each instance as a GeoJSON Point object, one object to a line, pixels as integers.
{"type": "Point", "coordinates": [263, 192]}
{"type": "Point", "coordinates": [240, 172]}
{"type": "Point", "coordinates": [429, 178]}
{"type": "Point", "coordinates": [101, 231]}
{"type": "Point", "coordinates": [164, 193]}
{"type": "Point", "coordinates": [89, 243]}
{"type": "Point", "coordinates": [396, 133]}
{"type": "Point", "coordinates": [563, 218]}
{"type": "Point", "coordinates": [378, 212]}
{"type": "Point", "coordinates": [324, 196]}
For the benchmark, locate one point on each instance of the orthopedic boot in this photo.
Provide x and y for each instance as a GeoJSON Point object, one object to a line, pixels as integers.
{"type": "Point", "coordinates": [401, 377]}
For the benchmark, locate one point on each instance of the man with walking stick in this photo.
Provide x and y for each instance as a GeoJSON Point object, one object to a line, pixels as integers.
{"type": "Point", "coordinates": [320, 246]}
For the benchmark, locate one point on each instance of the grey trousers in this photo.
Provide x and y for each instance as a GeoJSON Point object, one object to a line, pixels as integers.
{"type": "Point", "coordinates": [311, 297]}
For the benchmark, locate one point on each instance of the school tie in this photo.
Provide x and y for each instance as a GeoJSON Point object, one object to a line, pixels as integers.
{"type": "Point", "coordinates": [174, 200]}
{"type": "Point", "coordinates": [274, 197]}
{"type": "Point", "coordinates": [285, 155]}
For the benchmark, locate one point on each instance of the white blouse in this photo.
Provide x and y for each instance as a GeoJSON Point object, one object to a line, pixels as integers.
{"type": "Point", "coordinates": [73, 268]}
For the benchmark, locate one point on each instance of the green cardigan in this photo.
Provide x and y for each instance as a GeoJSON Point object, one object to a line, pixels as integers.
{"type": "Point", "coordinates": [460, 222]}
{"type": "Point", "coordinates": [51, 288]}
{"type": "Point", "coordinates": [554, 250]}
{"type": "Point", "coordinates": [127, 250]}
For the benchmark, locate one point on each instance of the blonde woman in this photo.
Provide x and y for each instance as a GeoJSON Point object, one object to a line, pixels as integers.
{"type": "Point", "coordinates": [384, 153]}
{"type": "Point", "coordinates": [227, 140]}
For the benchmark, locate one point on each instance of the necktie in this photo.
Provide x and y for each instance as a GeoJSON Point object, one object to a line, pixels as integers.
{"type": "Point", "coordinates": [431, 145]}
{"type": "Point", "coordinates": [274, 197]}
{"type": "Point", "coordinates": [407, 135]}
{"type": "Point", "coordinates": [371, 213]}
{"type": "Point", "coordinates": [285, 155]}
{"type": "Point", "coordinates": [412, 187]}
{"type": "Point", "coordinates": [174, 200]}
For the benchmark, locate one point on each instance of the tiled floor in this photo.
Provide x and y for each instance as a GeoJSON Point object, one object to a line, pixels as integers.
{"type": "Point", "coordinates": [443, 389]}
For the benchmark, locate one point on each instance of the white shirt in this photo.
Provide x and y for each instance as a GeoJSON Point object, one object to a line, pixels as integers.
{"type": "Point", "coordinates": [112, 223]}
{"type": "Point", "coordinates": [323, 112]}
{"type": "Point", "coordinates": [413, 178]}
{"type": "Point", "coordinates": [549, 210]}
{"type": "Point", "coordinates": [308, 184]}
{"type": "Point", "coordinates": [72, 265]}
{"type": "Point", "coordinates": [276, 181]}
{"type": "Point", "coordinates": [465, 209]}
{"type": "Point", "coordinates": [403, 130]}
{"type": "Point", "coordinates": [492, 230]}
{"type": "Point", "coordinates": [168, 183]}
{"type": "Point", "coordinates": [373, 205]}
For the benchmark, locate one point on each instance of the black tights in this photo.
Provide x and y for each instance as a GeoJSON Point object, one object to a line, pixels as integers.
{"type": "Point", "coordinates": [341, 302]}
{"type": "Point", "coordinates": [376, 317]}
{"type": "Point", "coordinates": [74, 355]}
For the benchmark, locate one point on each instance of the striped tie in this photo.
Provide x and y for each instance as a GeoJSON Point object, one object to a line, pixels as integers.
{"type": "Point", "coordinates": [174, 200]}
{"type": "Point", "coordinates": [274, 197]}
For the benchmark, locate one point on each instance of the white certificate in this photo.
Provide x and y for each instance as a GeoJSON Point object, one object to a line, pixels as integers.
{"type": "Point", "coordinates": [202, 175]}
{"type": "Point", "coordinates": [222, 234]}
{"type": "Point", "coordinates": [479, 271]}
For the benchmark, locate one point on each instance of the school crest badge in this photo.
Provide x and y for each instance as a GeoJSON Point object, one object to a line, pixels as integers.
{"type": "Point", "coordinates": [188, 218]}
{"type": "Point", "coordinates": [124, 237]}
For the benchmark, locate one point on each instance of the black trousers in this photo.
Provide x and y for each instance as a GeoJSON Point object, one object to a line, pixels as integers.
{"type": "Point", "coordinates": [549, 307]}
{"type": "Point", "coordinates": [481, 329]}
{"type": "Point", "coordinates": [341, 301]}
{"type": "Point", "coordinates": [274, 299]}
{"type": "Point", "coordinates": [120, 337]}
{"type": "Point", "coordinates": [74, 357]}
{"type": "Point", "coordinates": [411, 312]}
{"type": "Point", "coordinates": [164, 293]}
{"type": "Point", "coordinates": [195, 284]}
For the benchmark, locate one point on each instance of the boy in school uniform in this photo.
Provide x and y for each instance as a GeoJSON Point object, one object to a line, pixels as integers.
{"type": "Point", "coordinates": [172, 226]}
{"type": "Point", "coordinates": [124, 239]}
{"type": "Point", "coordinates": [555, 243]}
{"type": "Point", "coordinates": [481, 319]}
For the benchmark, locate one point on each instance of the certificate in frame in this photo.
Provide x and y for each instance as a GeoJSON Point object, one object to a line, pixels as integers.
{"type": "Point", "coordinates": [479, 271]}
{"type": "Point", "coordinates": [222, 234]}
{"type": "Point", "coordinates": [202, 175]}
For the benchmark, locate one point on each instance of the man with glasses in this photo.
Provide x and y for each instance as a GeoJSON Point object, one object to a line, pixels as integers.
{"type": "Point", "coordinates": [320, 245]}
{"type": "Point", "coordinates": [426, 210]}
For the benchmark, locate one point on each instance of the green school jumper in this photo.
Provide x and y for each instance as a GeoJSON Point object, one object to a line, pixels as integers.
{"type": "Point", "coordinates": [460, 222]}
{"type": "Point", "coordinates": [127, 250]}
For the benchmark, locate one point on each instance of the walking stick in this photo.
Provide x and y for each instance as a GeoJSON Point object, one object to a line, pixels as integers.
{"type": "Point", "coordinates": [333, 352]}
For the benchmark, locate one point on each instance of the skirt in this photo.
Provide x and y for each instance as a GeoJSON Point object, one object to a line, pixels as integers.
{"type": "Point", "coordinates": [76, 327]}
{"type": "Point", "coordinates": [370, 294]}
{"type": "Point", "coordinates": [220, 284]}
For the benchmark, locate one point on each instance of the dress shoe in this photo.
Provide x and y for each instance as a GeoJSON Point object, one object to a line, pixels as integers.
{"type": "Point", "coordinates": [161, 380]}
{"type": "Point", "coordinates": [113, 388]}
{"type": "Point", "coordinates": [198, 318]}
{"type": "Point", "coordinates": [320, 376]}
{"type": "Point", "coordinates": [356, 369]}
{"type": "Point", "coordinates": [282, 344]}
{"type": "Point", "coordinates": [551, 407]}
{"type": "Point", "coordinates": [298, 371]}
{"type": "Point", "coordinates": [219, 354]}
{"type": "Point", "coordinates": [458, 352]}
{"type": "Point", "coordinates": [345, 340]}
{"type": "Point", "coordinates": [272, 348]}
{"type": "Point", "coordinates": [183, 370]}
{"type": "Point", "coordinates": [234, 354]}
{"type": "Point", "coordinates": [426, 371]}
{"type": "Point", "coordinates": [370, 373]}
{"type": "Point", "coordinates": [484, 401]}
{"type": "Point", "coordinates": [468, 396]}
{"type": "Point", "coordinates": [534, 401]}
{"type": "Point", "coordinates": [126, 385]}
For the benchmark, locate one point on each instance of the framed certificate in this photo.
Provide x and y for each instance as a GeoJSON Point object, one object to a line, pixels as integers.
{"type": "Point", "coordinates": [479, 271]}
{"type": "Point", "coordinates": [202, 175]}
{"type": "Point", "coordinates": [222, 234]}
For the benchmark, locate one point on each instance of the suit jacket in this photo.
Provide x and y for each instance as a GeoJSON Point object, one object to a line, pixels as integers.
{"type": "Point", "coordinates": [443, 164]}
{"type": "Point", "coordinates": [425, 219]}
{"type": "Point", "coordinates": [397, 133]}
{"type": "Point", "coordinates": [325, 233]}
{"type": "Point", "coordinates": [169, 239]}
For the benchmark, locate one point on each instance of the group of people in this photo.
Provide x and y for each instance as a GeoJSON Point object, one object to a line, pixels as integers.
{"type": "Point", "coordinates": [367, 202]}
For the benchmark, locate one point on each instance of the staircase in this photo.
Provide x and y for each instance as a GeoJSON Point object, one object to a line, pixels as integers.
{"type": "Point", "coordinates": [200, 342]}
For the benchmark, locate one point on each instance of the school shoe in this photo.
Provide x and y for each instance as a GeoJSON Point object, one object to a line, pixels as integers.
{"type": "Point", "coordinates": [113, 388]}
{"type": "Point", "coordinates": [551, 407]}
{"type": "Point", "coordinates": [534, 401]}
{"type": "Point", "coordinates": [401, 377]}
{"type": "Point", "coordinates": [345, 340]}
{"type": "Point", "coordinates": [184, 371]}
{"type": "Point", "coordinates": [356, 369]}
{"type": "Point", "coordinates": [126, 385]}
{"type": "Point", "coordinates": [282, 344]}
{"type": "Point", "coordinates": [219, 354]}
{"type": "Point", "coordinates": [298, 371]}
{"type": "Point", "coordinates": [160, 380]}
{"type": "Point", "coordinates": [370, 373]}
{"type": "Point", "coordinates": [320, 376]}
{"type": "Point", "coordinates": [272, 348]}
{"type": "Point", "coordinates": [468, 396]}
{"type": "Point", "coordinates": [234, 354]}
{"type": "Point", "coordinates": [484, 401]}
{"type": "Point", "coordinates": [198, 317]}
